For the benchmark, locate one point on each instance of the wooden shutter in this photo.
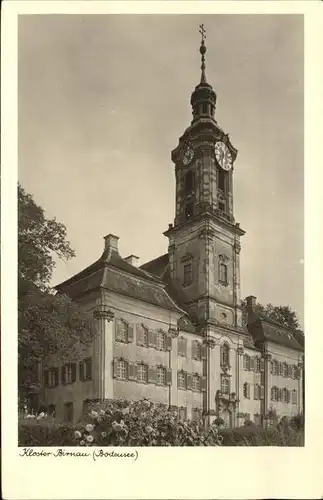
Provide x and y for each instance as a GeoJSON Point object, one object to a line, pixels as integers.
{"type": "Point", "coordinates": [168, 342]}
{"type": "Point", "coordinates": [81, 371]}
{"type": "Point", "coordinates": [189, 381]}
{"type": "Point", "coordinates": [271, 366]}
{"type": "Point", "coordinates": [203, 351]}
{"type": "Point", "coordinates": [255, 391]}
{"type": "Point", "coordinates": [63, 374]}
{"type": "Point", "coordinates": [253, 363]}
{"type": "Point", "coordinates": [89, 369]}
{"type": "Point", "coordinates": [194, 349]}
{"type": "Point", "coordinates": [203, 383]}
{"type": "Point", "coordinates": [139, 334]}
{"type": "Point", "coordinates": [73, 366]}
{"type": "Point", "coordinates": [152, 338]}
{"type": "Point", "coordinates": [152, 374]}
{"type": "Point", "coordinates": [132, 370]}
{"type": "Point", "coordinates": [56, 376]}
{"type": "Point", "coordinates": [130, 333]}
{"type": "Point", "coordinates": [288, 396]}
{"type": "Point", "coordinates": [262, 366]}
{"type": "Point", "coordinates": [115, 367]}
{"type": "Point", "coordinates": [118, 327]}
{"type": "Point", "coordinates": [262, 392]}
{"type": "Point", "coordinates": [46, 378]}
{"type": "Point", "coordinates": [168, 377]}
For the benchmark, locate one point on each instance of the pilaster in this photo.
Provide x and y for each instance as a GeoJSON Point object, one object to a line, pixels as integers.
{"type": "Point", "coordinates": [104, 352]}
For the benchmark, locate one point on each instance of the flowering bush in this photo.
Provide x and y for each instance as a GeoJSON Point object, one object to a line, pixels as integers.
{"type": "Point", "coordinates": [142, 423]}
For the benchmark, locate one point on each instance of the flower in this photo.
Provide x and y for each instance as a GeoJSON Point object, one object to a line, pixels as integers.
{"type": "Point", "coordinates": [94, 413]}
{"type": "Point", "coordinates": [77, 434]}
{"type": "Point", "coordinates": [89, 438]}
{"type": "Point", "coordinates": [89, 427]}
{"type": "Point", "coordinates": [103, 434]}
{"type": "Point", "coordinates": [125, 411]}
{"type": "Point", "coordinates": [102, 412]}
{"type": "Point", "coordinates": [117, 427]}
{"type": "Point", "coordinates": [82, 443]}
{"type": "Point", "coordinates": [149, 429]}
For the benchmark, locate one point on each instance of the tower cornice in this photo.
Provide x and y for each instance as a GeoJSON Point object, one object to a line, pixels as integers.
{"type": "Point", "coordinates": [206, 216]}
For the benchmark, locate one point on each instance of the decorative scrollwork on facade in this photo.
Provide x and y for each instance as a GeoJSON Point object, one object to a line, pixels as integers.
{"type": "Point", "coordinates": [267, 356]}
{"type": "Point", "coordinates": [173, 332]}
{"type": "Point", "coordinates": [240, 351]}
{"type": "Point", "coordinates": [209, 342]}
{"type": "Point", "coordinates": [237, 247]}
{"type": "Point", "coordinates": [223, 258]}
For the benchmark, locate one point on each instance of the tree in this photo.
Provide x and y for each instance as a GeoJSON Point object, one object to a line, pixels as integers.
{"type": "Point", "coordinates": [38, 240]}
{"type": "Point", "coordinates": [48, 322]}
{"type": "Point", "coordinates": [283, 315]}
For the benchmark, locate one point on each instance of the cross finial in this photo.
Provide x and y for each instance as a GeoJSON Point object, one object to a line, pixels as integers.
{"type": "Point", "coordinates": [202, 52]}
{"type": "Point", "coordinates": [202, 31]}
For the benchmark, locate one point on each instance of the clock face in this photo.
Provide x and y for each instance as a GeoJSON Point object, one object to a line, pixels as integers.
{"type": "Point", "coordinates": [223, 155]}
{"type": "Point", "coordinates": [188, 154]}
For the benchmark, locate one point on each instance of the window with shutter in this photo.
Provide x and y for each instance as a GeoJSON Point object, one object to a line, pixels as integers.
{"type": "Point", "coordinates": [246, 362]}
{"type": "Point", "coordinates": [258, 364]}
{"type": "Point", "coordinates": [142, 335]}
{"type": "Point", "coordinates": [161, 375]}
{"type": "Point", "coordinates": [294, 397]}
{"type": "Point", "coordinates": [196, 383]}
{"type": "Point", "coordinates": [181, 380]}
{"type": "Point", "coordinates": [152, 339]}
{"type": "Point", "coordinates": [271, 367]}
{"type": "Point", "coordinates": [142, 373]}
{"type": "Point", "coordinates": [121, 369]}
{"type": "Point", "coordinates": [73, 372]}
{"type": "Point", "coordinates": [246, 390]}
{"type": "Point", "coordinates": [121, 331]}
{"type": "Point", "coordinates": [275, 367]}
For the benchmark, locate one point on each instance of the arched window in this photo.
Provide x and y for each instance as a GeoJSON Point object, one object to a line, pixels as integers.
{"type": "Point", "coordinates": [246, 390]}
{"type": "Point", "coordinates": [275, 393]}
{"type": "Point", "coordinates": [221, 180]}
{"type": "Point", "coordinates": [223, 273]}
{"type": "Point", "coordinates": [225, 356]}
{"type": "Point", "coordinates": [189, 182]}
{"type": "Point", "coordinates": [225, 385]}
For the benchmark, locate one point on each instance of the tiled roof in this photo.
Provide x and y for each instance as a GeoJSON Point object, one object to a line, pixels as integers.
{"type": "Point", "coordinates": [115, 274]}
{"type": "Point", "coordinates": [157, 266]}
{"type": "Point", "coordinates": [263, 329]}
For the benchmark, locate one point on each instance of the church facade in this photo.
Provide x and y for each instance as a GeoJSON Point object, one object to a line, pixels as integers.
{"type": "Point", "coordinates": [172, 330]}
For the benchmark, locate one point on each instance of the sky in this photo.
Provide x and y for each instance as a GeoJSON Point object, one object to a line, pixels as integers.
{"type": "Point", "coordinates": [103, 99]}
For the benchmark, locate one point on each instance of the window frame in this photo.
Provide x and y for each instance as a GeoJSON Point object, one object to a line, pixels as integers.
{"type": "Point", "coordinates": [161, 370]}
{"type": "Point", "coordinates": [122, 366]}
{"type": "Point", "coordinates": [223, 280]}
{"type": "Point", "coordinates": [159, 335]}
{"type": "Point", "coordinates": [182, 375]}
{"type": "Point", "coordinates": [142, 373]}
{"type": "Point", "coordinates": [187, 276]}
{"type": "Point", "coordinates": [196, 382]}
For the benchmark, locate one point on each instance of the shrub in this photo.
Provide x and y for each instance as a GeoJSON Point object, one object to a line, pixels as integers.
{"type": "Point", "coordinates": [45, 434]}
{"type": "Point", "coordinates": [252, 435]}
{"type": "Point", "coordinates": [142, 423]}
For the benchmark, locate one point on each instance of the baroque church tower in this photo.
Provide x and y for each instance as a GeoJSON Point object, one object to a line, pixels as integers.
{"type": "Point", "coordinates": [204, 240]}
